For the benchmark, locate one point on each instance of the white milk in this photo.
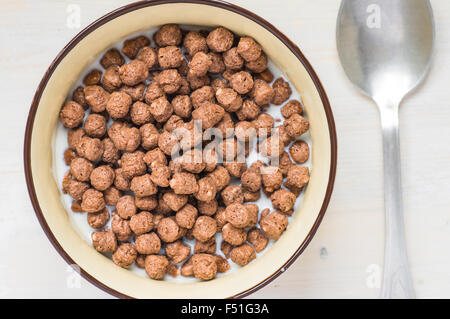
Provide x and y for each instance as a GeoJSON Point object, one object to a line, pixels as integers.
{"type": "Point", "coordinates": [79, 220]}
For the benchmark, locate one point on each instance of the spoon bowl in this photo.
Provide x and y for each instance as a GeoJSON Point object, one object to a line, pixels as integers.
{"type": "Point", "coordinates": [385, 46]}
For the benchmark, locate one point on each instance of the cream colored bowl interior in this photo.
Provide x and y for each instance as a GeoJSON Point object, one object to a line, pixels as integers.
{"type": "Point", "coordinates": [48, 193]}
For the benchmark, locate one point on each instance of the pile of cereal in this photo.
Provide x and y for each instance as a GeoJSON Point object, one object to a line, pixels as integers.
{"type": "Point", "coordinates": [165, 188]}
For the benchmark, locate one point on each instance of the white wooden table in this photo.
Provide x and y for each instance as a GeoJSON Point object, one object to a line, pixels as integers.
{"type": "Point", "coordinates": [345, 258]}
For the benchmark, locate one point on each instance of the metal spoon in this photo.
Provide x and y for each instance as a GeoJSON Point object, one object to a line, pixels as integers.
{"type": "Point", "coordinates": [385, 47]}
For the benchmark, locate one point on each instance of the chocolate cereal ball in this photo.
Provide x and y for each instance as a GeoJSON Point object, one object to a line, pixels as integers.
{"type": "Point", "coordinates": [169, 80]}
{"type": "Point", "coordinates": [235, 168]}
{"type": "Point", "coordinates": [203, 95]}
{"type": "Point", "coordinates": [133, 164]}
{"type": "Point", "coordinates": [259, 66]}
{"type": "Point", "coordinates": [125, 138]}
{"type": "Point", "coordinates": [142, 186]}
{"type": "Point", "coordinates": [169, 34]}
{"type": "Point", "coordinates": [96, 97]}
{"type": "Point", "coordinates": [126, 207]}
{"type": "Point", "coordinates": [290, 108]}
{"type": "Point", "coordinates": [296, 125]}
{"type": "Point", "coordinates": [161, 109]}
{"type": "Point", "coordinates": [241, 82]}
{"type": "Point", "coordinates": [76, 189]}
{"type": "Point", "coordinates": [220, 218]}
{"type": "Point", "coordinates": [90, 148]}
{"type": "Point", "coordinates": [282, 91]}
{"type": "Point", "coordinates": [74, 137]}
{"type": "Point", "coordinates": [233, 235]}
{"type": "Point", "coordinates": [155, 158]}
{"type": "Point", "coordinates": [102, 177]}
{"type": "Point", "coordinates": [118, 105]}
{"type": "Point", "coordinates": [208, 208]}
{"type": "Point", "coordinates": [217, 66]}
{"type": "Point", "coordinates": [249, 49]}
{"type": "Point", "coordinates": [98, 220]}
{"type": "Point", "coordinates": [204, 228]}
{"type": "Point", "coordinates": [153, 92]}
{"type": "Point", "coordinates": [274, 225]}
{"type": "Point", "coordinates": [200, 64]}
{"type": "Point", "coordinates": [170, 57]}
{"type": "Point", "coordinates": [110, 152]}
{"type": "Point", "coordinates": [221, 177]}
{"type": "Point", "coordinates": [298, 176]}
{"type": "Point", "coordinates": [263, 124]}
{"type": "Point", "coordinates": [237, 215]}
{"type": "Point", "coordinates": [262, 92]}
{"type": "Point", "coordinates": [149, 136]}
{"type": "Point", "coordinates": [177, 251]}
{"type": "Point", "coordinates": [229, 99]}
{"type": "Point", "coordinates": [148, 244]}
{"type": "Point", "coordinates": [218, 83]}
{"type": "Point", "coordinates": [156, 266]}
{"type": "Point", "coordinates": [111, 79]}
{"type": "Point", "coordinates": [93, 77]}
{"type": "Point", "coordinates": [140, 113]}
{"type": "Point", "coordinates": [161, 175]}
{"type": "Point", "coordinates": [112, 195]}
{"type": "Point", "coordinates": [175, 201]}
{"type": "Point", "coordinates": [206, 189]}
{"type": "Point", "coordinates": [208, 247]}
{"type": "Point", "coordinates": [81, 169]}
{"type": "Point", "coordinates": [78, 96]}
{"type": "Point", "coordinates": [283, 200]}
{"type": "Point", "coordinates": [248, 111]}
{"type": "Point", "coordinates": [243, 254]}
{"type": "Point", "coordinates": [125, 255]}
{"type": "Point", "coordinates": [146, 203]}
{"type": "Point", "coordinates": [120, 181]}
{"type": "Point", "coordinates": [92, 201]}
{"type": "Point", "coordinates": [232, 59]}
{"type": "Point", "coordinates": [149, 56]}
{"type": "Point", "coordinates": [112, 57]}
{"type": "Point", "coordinates": [168, 143]}
{"type": "Point", "coordinates": [251, 196]}
{"type": "Point", "coordinates": [220, 40]}
{"type": "Point", "coordinates": [194, 42]}
{"type": "Point", "coordinates": [104, 241]}
{"type": "Point", "coordinates": [71, 114]}
{"type": "Point", "coordinates": [299, 151]}
{"type": "Point", "coordinates": [95, 125]}
{"type": "Point", "coordinates": [196, 82]}
{"type": "Point", "coordinates": [204, 266]}
{"type": "Point", "coordinates": [245, 131]}
{"type": "Point", "coordinates": [186, 216]}
{"type": "Point", "coordinates": [184, 183]}
{"type": "Point", "coordinates": [251, 180]}
{"type": "Point", "coordinates": [133, 73]}
{"type": "Point", "coordinates": [182, 106]}
{"type": "Point", "coordinates": [168, 230]}
{"type": "Point", "coordinates": [141, 223]}
{"type": "Point", "coordinates": [232, 194]}
{"type": "Point", "coordinates": [257, 239]}
{"type": "Point", "coordinates": [131, 47]}
{"type": "Point", "coordinates": [121, 227]}
{"type": "Point", "coordinates": [272, 179]}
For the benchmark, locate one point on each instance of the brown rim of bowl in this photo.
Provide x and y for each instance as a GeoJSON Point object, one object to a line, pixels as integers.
{"type": "Point", "coordinates": [138, 5]}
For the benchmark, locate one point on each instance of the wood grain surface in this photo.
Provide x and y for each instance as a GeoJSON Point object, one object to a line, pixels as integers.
{"type": "Point", "coordinates": [344, 260]}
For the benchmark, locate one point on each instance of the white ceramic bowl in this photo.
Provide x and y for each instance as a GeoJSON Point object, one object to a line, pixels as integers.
{"type": "Point", "coordinates": [79, 54]}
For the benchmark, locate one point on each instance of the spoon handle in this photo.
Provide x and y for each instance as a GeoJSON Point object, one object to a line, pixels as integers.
{"type": "Point", "coordinates": [397, 281]}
